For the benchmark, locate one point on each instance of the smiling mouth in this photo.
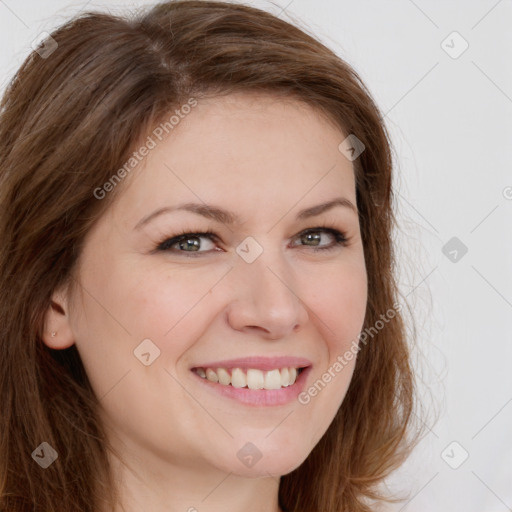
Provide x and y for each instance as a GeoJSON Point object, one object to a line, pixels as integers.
{"type": "Point", "coordinates": [251, 378]}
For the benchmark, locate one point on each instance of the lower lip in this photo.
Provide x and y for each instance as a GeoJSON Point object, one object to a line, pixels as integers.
{"type": "Point", "coordinates": [259, 397]}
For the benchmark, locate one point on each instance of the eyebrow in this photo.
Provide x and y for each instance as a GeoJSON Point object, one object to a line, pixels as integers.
{"type": "Point", "coordinates": [226, 217]}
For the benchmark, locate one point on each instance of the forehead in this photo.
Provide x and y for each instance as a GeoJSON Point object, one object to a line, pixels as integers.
{"type": "Point", "coordinates": [250, 153]}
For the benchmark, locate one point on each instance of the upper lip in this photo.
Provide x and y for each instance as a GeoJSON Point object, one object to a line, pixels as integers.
{"type": "Point", "coordinates": [258, 362]}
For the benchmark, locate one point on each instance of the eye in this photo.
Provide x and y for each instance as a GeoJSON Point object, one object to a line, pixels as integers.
{"type": "Point", "coordinates": [312, 238]}
{"type": "Point", "coordinates": [314, 235]}
{"type": "Point", "coordinates": [185, 240]}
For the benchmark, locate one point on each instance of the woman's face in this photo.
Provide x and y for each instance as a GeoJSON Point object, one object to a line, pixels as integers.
{"type": "Point", "coordinates": [260, 287]}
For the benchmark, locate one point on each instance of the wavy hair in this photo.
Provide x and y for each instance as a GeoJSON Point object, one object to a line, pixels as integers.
{"type": "Point", "coordinates": [70, 119]}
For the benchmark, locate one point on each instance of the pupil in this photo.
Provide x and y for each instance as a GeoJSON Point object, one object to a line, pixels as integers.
{"type": "Point", "coordinates": [193, 241]}
{"type": "Point", "coordinates": [313, 237]}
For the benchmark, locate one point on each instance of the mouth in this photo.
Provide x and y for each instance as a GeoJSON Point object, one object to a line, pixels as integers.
{"type": "Point", "coordinates": [251, 378]}
{"type": "Point", "coordinates": [255, 381]}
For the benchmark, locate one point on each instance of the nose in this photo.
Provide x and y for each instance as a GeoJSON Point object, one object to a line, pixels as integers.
{"type": "Point", "coordinates": [264, 299]}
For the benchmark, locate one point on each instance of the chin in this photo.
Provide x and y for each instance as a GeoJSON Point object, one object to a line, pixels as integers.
{"type": "Point", "coordinates": [264, 462]}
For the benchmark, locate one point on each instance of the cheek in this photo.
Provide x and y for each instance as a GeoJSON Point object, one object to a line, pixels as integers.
{"type": "Point", "coordinates": [339, 299]}
{"type": "Point", "coordinates": [167, 306]}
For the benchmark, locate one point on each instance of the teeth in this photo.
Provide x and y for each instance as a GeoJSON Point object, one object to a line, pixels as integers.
{"type": "Point", "coordinates": [211, 375]}
{"type": "Point", "coordinates": [253, 378]}
{"type": "Point", "coordinates": [238, 378]}
{"type": "Point", "coordinates": [224, 377]}
{"type": "Point", "coordinates": [285, 377]}
{"type": "Point", "coordinates": [273, 380]}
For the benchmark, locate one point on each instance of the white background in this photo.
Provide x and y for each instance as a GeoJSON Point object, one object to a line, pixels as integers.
{"type": "Point", "coordinates": [451, 125]}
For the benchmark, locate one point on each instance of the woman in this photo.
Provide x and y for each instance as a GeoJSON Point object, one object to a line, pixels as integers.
{"type": "Point", "coordinates": [199, 309]}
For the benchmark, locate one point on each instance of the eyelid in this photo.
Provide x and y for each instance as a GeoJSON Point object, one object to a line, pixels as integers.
{"type": "Point", "coordinates": [172, 240]}
{"type": "Point", "coordinates": [340, 236]}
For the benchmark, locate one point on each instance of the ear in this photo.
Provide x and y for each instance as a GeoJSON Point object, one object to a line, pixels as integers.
{"type": "Point", "coordinates": [56, 320]}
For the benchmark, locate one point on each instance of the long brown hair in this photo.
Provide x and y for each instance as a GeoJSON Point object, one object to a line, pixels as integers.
{"type": "Point", "coordinates": [68, 121]}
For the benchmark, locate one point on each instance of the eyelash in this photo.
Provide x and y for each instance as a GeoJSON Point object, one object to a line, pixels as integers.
{"type": "Point", "coordinates": [340, 239]}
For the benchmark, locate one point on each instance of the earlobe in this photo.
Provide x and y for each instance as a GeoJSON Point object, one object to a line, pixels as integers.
{"type": "Point", "coordinates": [57, 332]}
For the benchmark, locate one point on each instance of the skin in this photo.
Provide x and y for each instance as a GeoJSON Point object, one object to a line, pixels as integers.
{"type": "Point", "coordinates": [265, 159]}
